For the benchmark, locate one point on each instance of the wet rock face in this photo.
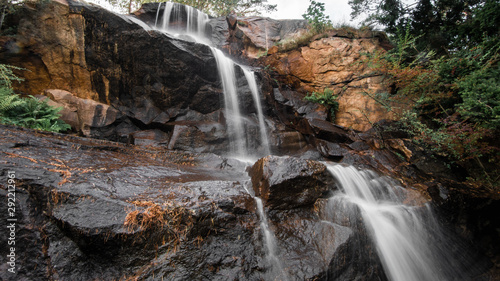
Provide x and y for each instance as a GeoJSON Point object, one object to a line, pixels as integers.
{"type": "Point", "coordinates": [288, 183]}
{"type": "Point", "coordinates": [115, 78]}
{"type": "Point", "coordinates": [94, 209]}
{"type": "Point", "coordinates": [91, 209]}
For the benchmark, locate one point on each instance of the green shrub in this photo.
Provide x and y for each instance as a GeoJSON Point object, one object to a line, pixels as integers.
{"type": "Point", "coordinates": [326, 98]}
{"type": "Point", "coordinates": [480, 93]}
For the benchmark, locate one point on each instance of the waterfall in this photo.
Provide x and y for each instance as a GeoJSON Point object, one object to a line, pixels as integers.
{"type": "Point", "coordinates": [196, 22]}
{"type": "Point", "coordinates": [202, 23]}
{"type": "Point", "coordinates": [409, 240]}
{"type": "Point", "coordinates": [167, 14]}
{"type": "Point", "coordinates": [157, 14]}
{"type": "Point", "coordinates": [277, 272]}
{"type": "Point", "coordinates": [195, 27]}
{"type": "Point", "coordinates": [233, 116]}
{"type": "Point", "coordinates": [252, 83]}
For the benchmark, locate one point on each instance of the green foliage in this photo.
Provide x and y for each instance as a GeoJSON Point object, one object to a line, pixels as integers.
{"type": "Point", "coordinates": [326, 98]}
{"type": "Point", "coordinates": [441, 25]}
{"type": "Point", "coordinates": [316, 17]}
{"type": "Point", "coordinates": [450, 104]}
{"type": "Point", "coordinates": [26, 112]}
{"type": "Point", "coordinates": [405, 71]}
{"type": "Point", "coordinates": [7, 76]}
{"type": "Point", "coordinates": [480, 92]}
{"type": "Point", "coordinates": [8, 100]}
{"type": "Point", "coordinates": [389, 13]}
{"type": "Point", "coordinates": [459, 141]}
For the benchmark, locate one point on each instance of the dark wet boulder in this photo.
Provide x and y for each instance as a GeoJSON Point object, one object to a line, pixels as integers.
{"type": "Point", "coordinates": [288, 182]}
{"type": "Point", "coordinates": [149, 137]}
{"type": "Point", "coordinates": [330, 150]}
{"type": "Point", "coordinates": [326, 130]}
{"type": "Point", "coordinates": [292, 107]}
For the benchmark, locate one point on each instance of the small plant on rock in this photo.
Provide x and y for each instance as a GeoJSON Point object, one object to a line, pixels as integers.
{"type": "Point", "coordinates": [326, 98]}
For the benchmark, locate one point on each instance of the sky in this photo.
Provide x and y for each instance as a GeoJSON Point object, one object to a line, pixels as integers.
{"type": "Point", "coordinates": [338, 10]}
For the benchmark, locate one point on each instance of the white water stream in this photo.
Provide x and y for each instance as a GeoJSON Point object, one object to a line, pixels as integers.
{"type": "Point", "coordinates": [409, 241]}
{"type": "Point", "coordinates": [276, 266]}
{"type": "Point", "coordinates": [252, 83]}
{"type": "Point", "coordinates": [195, 26]}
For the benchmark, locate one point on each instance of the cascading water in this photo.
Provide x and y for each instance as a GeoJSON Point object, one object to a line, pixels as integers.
{"type": "Point", "coordinates": [409, 241]}
{"type": "Point", "coordinates": [232, 107]}
{"type": "Point", "coordinates": [272, 259]}
{"type": "Point", "coordinates": [408, 238]}
{"type": "Point", "coordinates": [236, 130]}
{"type": "Point", "coordinates": [276, 272]}
{"type": "Point", "coordinates": [252, 83]}
{"type": "Point", "coordinates": [196, 22]}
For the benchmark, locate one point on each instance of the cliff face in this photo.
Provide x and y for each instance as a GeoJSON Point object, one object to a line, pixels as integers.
{"type": "Point", "coordinates": [50, 44]}
{"type": "Point", "coordinates": [120, 81]}
{"type": "Point", "coordinates": [108, 58]}
{"type": "Point", "coordinates": [137, 79]}
{"type": "Point", "coordinates": [334, 63]}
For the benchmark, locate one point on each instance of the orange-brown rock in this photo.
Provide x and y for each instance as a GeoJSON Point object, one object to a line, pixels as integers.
{"type": "Point", "coordinates": [335, 63]}
{"type": "Point", "coordinates": [83, 115]}
{"type": "Point", "coordinates": [51, 47]}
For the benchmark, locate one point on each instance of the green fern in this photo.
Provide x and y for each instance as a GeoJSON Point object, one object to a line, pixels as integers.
{"type": "Point", "coordinates": [9, 100]}
{"type": "Point", "coordinates": [26, 112]}
{"type": "Point", "coordinates": [41, 116]}
{"type": "Point", "coordinates": [7, 75]}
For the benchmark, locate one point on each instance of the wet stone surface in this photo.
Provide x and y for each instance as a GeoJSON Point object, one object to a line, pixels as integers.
{"type": "Point", "coordinates": [98, 209]}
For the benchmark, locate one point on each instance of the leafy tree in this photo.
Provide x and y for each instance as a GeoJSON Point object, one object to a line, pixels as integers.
{"type": "Point", "coordinates": [316, 17]}
{"type": "Point", "coordinates": [443, 25]}
{"type": "Point", "coordinates": [455, 98]}
{"type": "Point", "coordinates": [388, 13]}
